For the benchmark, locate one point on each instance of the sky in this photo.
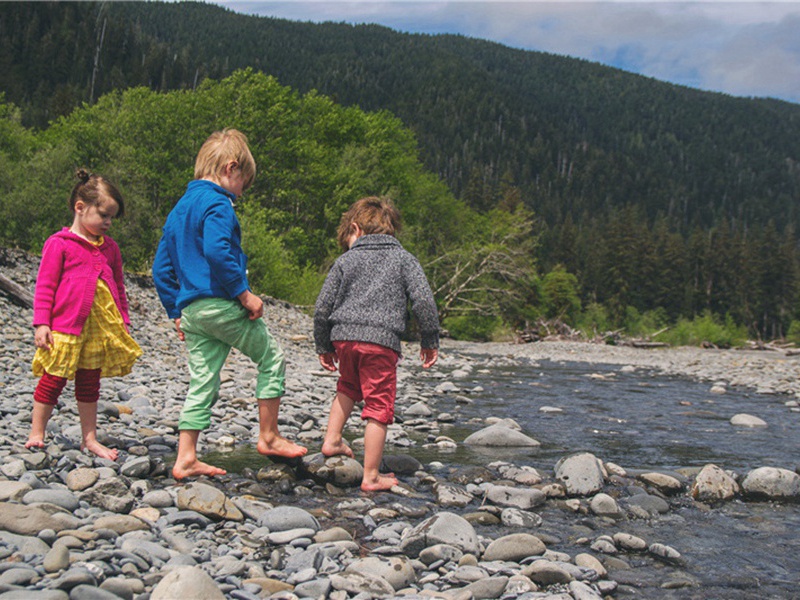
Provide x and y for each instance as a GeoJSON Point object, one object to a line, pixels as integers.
{"type": "Point", "coordinates": [741, 48]}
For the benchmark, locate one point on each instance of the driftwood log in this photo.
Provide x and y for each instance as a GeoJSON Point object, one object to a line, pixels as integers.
{"type": "Point", "coordinates": [17, 293]}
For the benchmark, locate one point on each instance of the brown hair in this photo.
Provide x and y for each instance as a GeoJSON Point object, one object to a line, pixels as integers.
{"type": "Point", "coordinates": [373, 215]}
{"type": "Point", "coordinates": [219, 149]}
{"type": "Point", "coordinates": [91, 188]}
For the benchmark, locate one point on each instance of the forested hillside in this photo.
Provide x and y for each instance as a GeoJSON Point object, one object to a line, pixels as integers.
{"type": "Point", "coordinates": [649, 198]}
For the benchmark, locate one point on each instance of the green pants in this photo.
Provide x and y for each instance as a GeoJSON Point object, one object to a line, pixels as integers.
{"type": "Point", "coordinates": [212, 327]}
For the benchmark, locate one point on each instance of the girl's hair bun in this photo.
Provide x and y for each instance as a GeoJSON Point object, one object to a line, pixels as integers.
{"type": "Point", "coordinates": [83, 175]}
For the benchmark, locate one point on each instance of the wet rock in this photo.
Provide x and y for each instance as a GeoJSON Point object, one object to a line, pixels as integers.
{"type": "Point", "coordinates": [581, 474]}
{"type": "Point", "coordinates": [441, 528]}
{"type": "Point", "coordinates": [604, 505]}
{"type": "Point", "coordinates": [451, 495]}
{"type": "Point", "coordinates": [662, 482]}
{"type": "Point", "coordinates": [338, 470]}
{"type": "Point", "coordinates": [712, 484]}
{"type": "Point", "coordinates": [500, 436]}
{"type": "Point", "coordinates": [772, 482]}
{"type": "Point", "coordinates": [545, 572]}
{"type": "Point", "coordinates": [745, 420]}
{"type": "Point", "coordinates": [514, 547]}
{"type": "Point", "coordinates": [523, 498]}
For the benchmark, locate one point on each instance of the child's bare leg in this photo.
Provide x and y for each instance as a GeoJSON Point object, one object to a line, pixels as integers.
{"type": "Point", "coordinates": [88, 414]}
{"type": "Point", "coordinates": [333, 444]}
{"type": "Point", "coordinates": [270, 441]}
{"type": "Point", "coordinates": [187, 463]}
{"type": "Point", "coordinates": [40, 416]}
{"type": "Point", "coordinates": [374, 440]}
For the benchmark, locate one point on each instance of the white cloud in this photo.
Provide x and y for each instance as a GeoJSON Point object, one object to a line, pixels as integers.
{"type": "Point", "coordinates": [742, 48]}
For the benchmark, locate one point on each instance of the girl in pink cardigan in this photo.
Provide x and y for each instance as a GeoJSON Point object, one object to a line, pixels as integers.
{"type": "Point", "coordinates": [80, 312]}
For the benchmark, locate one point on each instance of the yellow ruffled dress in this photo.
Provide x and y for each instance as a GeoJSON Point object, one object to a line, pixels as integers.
{"type": "Point", "coordinates": [104, 343]}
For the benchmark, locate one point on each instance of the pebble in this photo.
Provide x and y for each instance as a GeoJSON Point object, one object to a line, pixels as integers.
{"type": "Point", "coordinates": [73, 525]}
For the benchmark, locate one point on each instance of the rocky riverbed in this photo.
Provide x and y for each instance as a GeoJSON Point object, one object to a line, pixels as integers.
{"type": "Point", "coordinates": [76, 526]}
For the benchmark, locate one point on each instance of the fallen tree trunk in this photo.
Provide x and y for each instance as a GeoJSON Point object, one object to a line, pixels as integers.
{"type": "Point", "coordinates": [16, 292]}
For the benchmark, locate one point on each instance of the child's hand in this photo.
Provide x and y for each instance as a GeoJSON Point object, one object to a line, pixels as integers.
{"type": "Point", "coordinates": [181, 335]}
{"type": "Point", "coordinates": [253, 304]}
{"type": "Point", "coordinates": [43, 337]}
{"type": "Point", "coordinates": [328, 360]}
{"type": "Point", "coordinates": [429, 357]}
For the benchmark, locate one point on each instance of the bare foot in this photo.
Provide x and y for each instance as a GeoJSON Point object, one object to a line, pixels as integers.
{"type": "Point", "coordinates": [98, 449]}
{"type": "Point", "coordinates": [383, 482]}
{"type": "Point", "coordinates": [281, 447]}
{"type": "Point", "coordinates": [333, 449]}
{"type": "Point", "coordinates": [195, 469]}
{"type": "Point", "coordinates": [35, 441]}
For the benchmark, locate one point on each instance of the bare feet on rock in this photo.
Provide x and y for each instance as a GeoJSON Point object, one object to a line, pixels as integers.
{"type": "Point", "coordinates": [196, 468]}
{"type": "Point", "coordinates": [280, 447]}
{"type": "Point", "coordinates": [380, 483]}
{"type": "Point", "coordinates": [336, 449]}
{"type": "Point", "coordinates": [98, 449]}
{"type": "Point", "coordinates": [35, 442]}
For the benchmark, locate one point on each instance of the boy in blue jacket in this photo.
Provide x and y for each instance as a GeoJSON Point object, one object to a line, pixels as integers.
{"type": "Point", "coordinates": [200, 273]}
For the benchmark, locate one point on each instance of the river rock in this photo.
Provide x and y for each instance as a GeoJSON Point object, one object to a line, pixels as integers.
{"type": "Point", "coordinates": [209, 501]}
{"type": "Point", "coordinates": [27, 520]}
{"type": "Point", "coordinates": [581, 474]}
{"type": "Point", "coordinates": [745, 420]}
{"type": "Point", "coordinates": [284, 518]}
{"type": "Point", "coordinates": [360, 583]}
{"type": "Point", "coordinates": [82, 478]}
{"type": "Point", "coordinates": [515, 517]}
{"type": "Point", "coordinates": [442, 528]}
{"type": "Point", "coordinates": [772, 482]}
{"type": "Point", "coordinates": [397, 570]}
{"type": "Point", "coordinates": [523, 498]}
{"type": "Point", "coordinates": [136, 467]}
{"type": "Point", "coordinates": [340, 470]}
{"type": "Point", "coordinates": [56, 559]}
{"type": "Point", "coordinates": [713, 484]}
{"type": "Point", "coordinates": [604, 505]}
{"type": "Point", "coordinates": [664, 483]}
{"type": "Point", "coordinates": [61, 498]}
{"type": "Point", "coordinates": [448, 494]}
{"type": "Point", "coordinates": [110, 494]}
{"type": "Point", "coordinates": [119, 523]}
{"type": "Point", "coordinates": [13, 490]}
{"type": "Point", "coordinates": [514, 547]}
{"type": "Point", "coordinates": [486, 588]}
{"type": "Point", "coordinates": [187, 582]}
{"type": "Point", "coordinates": [500, 436]}
{"type": "Point", "coordinates": [545, 572]}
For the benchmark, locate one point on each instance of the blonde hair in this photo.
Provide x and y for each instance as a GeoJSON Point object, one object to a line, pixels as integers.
{"type": "Point", "coordinates": [219, 149]}
{"type": "Point", "coordinates": [373, 215]}
{"type": "Point", "coordinates": [91, 189]}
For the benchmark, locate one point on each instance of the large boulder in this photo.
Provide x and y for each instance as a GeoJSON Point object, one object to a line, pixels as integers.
{"type": "Point", "coordinates": [442, 528]}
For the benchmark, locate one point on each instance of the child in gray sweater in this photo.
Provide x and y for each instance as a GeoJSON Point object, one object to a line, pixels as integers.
{"type": "Point", "coordinates": [361, 312]}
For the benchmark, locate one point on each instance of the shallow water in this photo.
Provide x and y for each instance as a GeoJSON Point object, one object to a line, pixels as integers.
{"type": "Point", "coordinates": [639, 420]}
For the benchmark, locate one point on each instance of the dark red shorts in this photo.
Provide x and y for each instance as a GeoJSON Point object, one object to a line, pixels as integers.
{"type": "Point", "coordinates": [368, 373]}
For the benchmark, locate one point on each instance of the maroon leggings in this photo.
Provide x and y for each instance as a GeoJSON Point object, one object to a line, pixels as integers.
{"type": "Point", "coordinates": [87, 387]}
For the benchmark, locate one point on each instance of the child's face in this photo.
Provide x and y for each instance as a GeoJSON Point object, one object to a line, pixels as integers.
{"type": "Point", "coordinates": [93, 220]}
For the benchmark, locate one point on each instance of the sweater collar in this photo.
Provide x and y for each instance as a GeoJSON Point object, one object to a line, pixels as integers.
{"type": "Point", "coordinates": [67, 234]}
{"type": "Point", "coordinates": [375, 239]}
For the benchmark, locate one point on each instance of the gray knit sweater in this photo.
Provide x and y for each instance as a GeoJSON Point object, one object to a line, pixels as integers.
{"type": "Point", "coordinates": [365, 297]}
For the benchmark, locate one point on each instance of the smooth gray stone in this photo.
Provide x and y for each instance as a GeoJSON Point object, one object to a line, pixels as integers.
{"type": "Point", "coordinates": [283, 518]}
{"type": "Point", "coordinates": [89, 592]}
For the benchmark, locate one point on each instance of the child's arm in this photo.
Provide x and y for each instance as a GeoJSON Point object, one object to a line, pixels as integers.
{"type": "Point", "coordinates": [428, 357]}
{"type": "Point", "coordinates": [50, 269]}
{"type": "Point", "coordinates": [423, 305]}
{"type": "Point", "coordinates": [119, 279]}
{"type": "Point", "coordinates": [43, 337]}
{"type": "Point", "coordinates": [328, 360]}
{"type": "Point", "coordinates": [322, 312]}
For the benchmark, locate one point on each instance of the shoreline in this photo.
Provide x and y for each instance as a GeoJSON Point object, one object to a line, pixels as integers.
{"type": "Point", "coordinates": [764, 371]}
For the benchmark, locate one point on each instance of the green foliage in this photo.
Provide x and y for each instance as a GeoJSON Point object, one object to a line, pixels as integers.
{"type": "Point", "coordinates": [479, 328]}
{"type": "Point", "coordinates": [594, 320]}
{"type": "Point", "coordinates": [706, 328]}
{"type": "Point", "coordinates": [560, 297]}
